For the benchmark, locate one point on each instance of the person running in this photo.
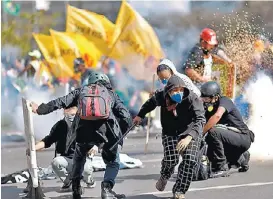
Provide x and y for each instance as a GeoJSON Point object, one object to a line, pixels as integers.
{"type": "Point", "coordinates": [182, 120]}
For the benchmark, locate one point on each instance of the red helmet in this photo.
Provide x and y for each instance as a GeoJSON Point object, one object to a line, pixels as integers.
{"type": "Point", "coordinates": [209, 36]}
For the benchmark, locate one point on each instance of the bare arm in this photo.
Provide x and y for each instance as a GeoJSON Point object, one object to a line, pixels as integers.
{"type": "Point", "coordinates": [40, 145]}
{"type": "Point", "coordinates": [214, 119]}
{"type": "Point", "coordinates": [194, 76]}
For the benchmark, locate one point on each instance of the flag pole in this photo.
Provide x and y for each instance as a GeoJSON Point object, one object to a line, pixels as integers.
{"type": "Point", "coordinates": [149, 121]}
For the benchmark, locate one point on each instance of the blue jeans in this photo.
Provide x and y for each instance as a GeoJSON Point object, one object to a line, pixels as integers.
{"type": "Point", "coordinates": [79, 160]}
{"type": "Point", "coordinates": [112, 169]}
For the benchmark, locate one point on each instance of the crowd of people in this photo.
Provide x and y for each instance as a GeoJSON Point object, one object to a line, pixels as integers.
{"type": "Point", "coordinates": [193, 110]}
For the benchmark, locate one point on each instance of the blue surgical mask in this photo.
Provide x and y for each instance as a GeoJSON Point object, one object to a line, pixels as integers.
{"type": "Point", "coordinates": [177, 97]}
{"type": "Point", "coordinates": [164, 81]}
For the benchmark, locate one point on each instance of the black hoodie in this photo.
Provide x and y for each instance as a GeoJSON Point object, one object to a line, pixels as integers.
{"type": "Point", "coordinates": [189, 118]}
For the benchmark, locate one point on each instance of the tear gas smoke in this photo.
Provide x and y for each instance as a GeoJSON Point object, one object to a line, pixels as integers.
{"type": "Point", "coordinates": [42, 123]}
{"type": "Point", "coordinates": [259, 94]}
{"type": "Point", "coordinates": [146, 8]}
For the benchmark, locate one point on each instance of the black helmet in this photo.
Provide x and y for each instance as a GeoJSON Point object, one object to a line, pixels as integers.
{"type": "Point", "coordinates": [95, 77]}
{"type": "Point", "coordinates": [78, 61]}
{"type": "Point", "coordinates": [210, 89]}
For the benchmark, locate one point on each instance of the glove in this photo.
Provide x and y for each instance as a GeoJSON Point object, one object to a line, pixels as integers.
{"type": "Point", "coordinates": [183, 143]}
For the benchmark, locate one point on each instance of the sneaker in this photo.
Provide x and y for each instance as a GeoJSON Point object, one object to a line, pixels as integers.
{"type": "Point", "coordinates": [67, 186]}
{"type": "Point", "coordinates": [178, 196]}
{"type": "Point", "coordinates": [118, 196]}
{"type": "Point", "coordinates": [224, 172]}
{"type": "Point", "coordinates": [244, 166]}
{"type": "Point", "coordinates": [108, 193]}
{"type": "Point", "coordinates": [92, 184]}
{"type": "Point", "coordinates": [161, 184]}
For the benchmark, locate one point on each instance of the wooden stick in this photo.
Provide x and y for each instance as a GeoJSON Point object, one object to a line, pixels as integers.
{"type": "Point", "coordinates": [149, 121]}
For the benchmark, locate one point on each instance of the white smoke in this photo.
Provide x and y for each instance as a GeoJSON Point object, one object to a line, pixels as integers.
{"type": "Point", "coordinates": [146, 8]}
{"type": "Point", "coordinates": [259, 94]}
{"type": "Point", "coordinates": [42, 123]}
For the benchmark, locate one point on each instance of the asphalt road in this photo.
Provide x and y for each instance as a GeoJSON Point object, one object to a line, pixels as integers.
{"type": "Point", "coordinates": [257, 183]}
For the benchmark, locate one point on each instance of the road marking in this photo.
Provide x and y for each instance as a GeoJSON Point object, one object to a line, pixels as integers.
{"type": "Point", "coordinates": [211, 188]}
{"type": "Point", "coordinates": [153, 160]}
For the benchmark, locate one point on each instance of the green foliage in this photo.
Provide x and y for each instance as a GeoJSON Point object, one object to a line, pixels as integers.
{"type": "Point", "coordinates": [17, 31]}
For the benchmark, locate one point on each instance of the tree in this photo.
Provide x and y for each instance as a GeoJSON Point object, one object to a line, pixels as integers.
{"type": "Point", "coordinates": [17, 30]}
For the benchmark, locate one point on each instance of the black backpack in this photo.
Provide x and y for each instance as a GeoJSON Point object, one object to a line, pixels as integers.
{"type": "Point", "coordinates": [202, 170]}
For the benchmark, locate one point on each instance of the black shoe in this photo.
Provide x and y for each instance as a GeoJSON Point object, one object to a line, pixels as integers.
{"type": "Point", "coordinates": [244, 162]}
{"type": "Point", "coordinates": [223, 172]}
{"type": "Point", "coordinates": [77, 189]}
{"type": "Point", "coordinates": [77, 193]}
{"type": "Point", "coordinates": [67, 186]}
{"type": "Point", "coordinates": [108, 193]}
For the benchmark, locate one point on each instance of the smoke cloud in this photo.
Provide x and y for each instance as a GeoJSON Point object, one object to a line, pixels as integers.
{"type": "Point", "coordinates": [259, 95]}
{"type": "Point", "coordinates": [42, 123]}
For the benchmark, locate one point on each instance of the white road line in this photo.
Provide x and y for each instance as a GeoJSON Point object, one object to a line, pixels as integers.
{"type": "Point", "coordinates": [153, 160]}
{"type": "Point", "coordinates": [211, 188]}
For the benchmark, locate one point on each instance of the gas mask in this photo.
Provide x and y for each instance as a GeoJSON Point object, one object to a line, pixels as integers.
{"type": "Point", "coordinates": [209, 106]}
{"type": "Point", "coordinates": [177, 97]}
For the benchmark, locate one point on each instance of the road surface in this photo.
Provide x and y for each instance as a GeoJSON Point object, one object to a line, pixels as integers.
{"type": "Point", "coordinates": [257, 183]}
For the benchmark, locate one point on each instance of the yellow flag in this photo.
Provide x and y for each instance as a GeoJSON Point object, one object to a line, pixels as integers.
{"type": "Point", "coordinates": [66, 51]}
{"type": "Point", "coordinates": [88, 51]}
{"type": "Point", "coordinates": [135, 44]}
{"type": "Point", "coordinates": [45, 43]}
{"type": "Point", "coordinates": [69, 46]}
{"type": "Point", "coordinates": [96, 28]}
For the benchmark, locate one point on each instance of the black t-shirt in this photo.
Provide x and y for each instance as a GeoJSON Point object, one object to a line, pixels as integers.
{"type": "Point", "coordinates": [231, 117]}
{"type": "Point", "coordinates": [195, 59]}
{"type": "Point", "coordinates": [58, 135]}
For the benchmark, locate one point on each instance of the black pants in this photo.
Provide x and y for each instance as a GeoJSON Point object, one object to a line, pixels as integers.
{"type": "Point", "coordinates": [186, 167]}
{"type": "Point", "coordinates": [79, 160]}
{"type": "Point", "coordinates": [226, 147]}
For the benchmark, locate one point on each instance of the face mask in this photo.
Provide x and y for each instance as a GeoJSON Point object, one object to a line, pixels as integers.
{"type": "Point", "coordinates": [177, 97]}
{"type": "Point", "coordinates": [205, 51]}
{"type": "Point", "coordinates": [164, 81]}
{"type": "Point", "coordinates": [70, 117]}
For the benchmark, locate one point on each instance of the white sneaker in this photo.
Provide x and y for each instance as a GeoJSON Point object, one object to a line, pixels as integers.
{"type": "Point", "coordinates": [91, 185]}
{"type": "Point", "coordinates": [178, 196]}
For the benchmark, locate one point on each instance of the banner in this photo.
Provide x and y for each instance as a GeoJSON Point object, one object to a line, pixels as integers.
{"type": "Point", "coordinates": [225, 74]}
{"type": "Point", "coordinates": [96, 28]}
{"type": "Point", "coordinates": [135, 44]}
{"type": "Point", "coordinates": [46, 45]}
{"type": "Point", "coordinates": [69, 46]}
